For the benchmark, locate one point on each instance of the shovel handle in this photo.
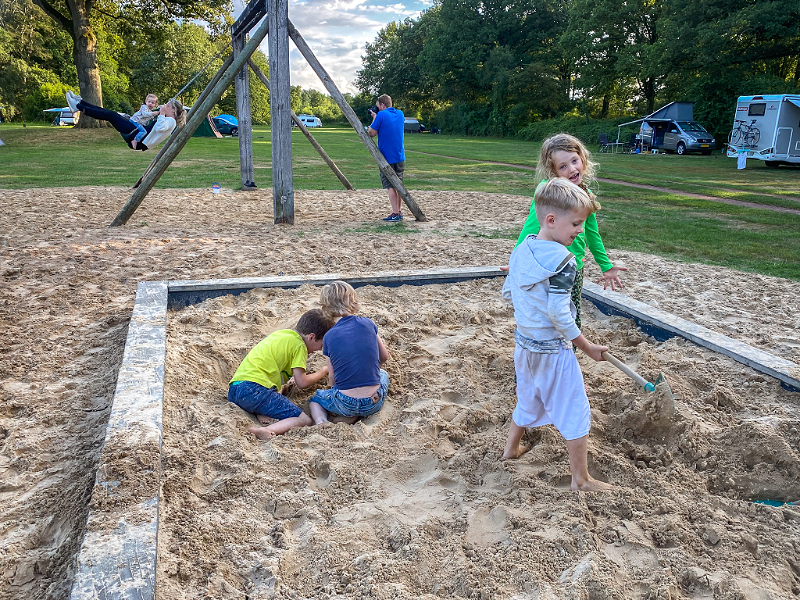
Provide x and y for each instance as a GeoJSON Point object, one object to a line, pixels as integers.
{"type": "Point", "coordinates": [628, 371]}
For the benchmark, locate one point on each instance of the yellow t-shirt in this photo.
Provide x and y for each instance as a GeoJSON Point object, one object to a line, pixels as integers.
{"type": "Point", "coordinates": [271, 362]}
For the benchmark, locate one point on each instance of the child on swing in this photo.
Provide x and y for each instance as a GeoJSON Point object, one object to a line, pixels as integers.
{"type": "Point", "coordinates": [143, 117]}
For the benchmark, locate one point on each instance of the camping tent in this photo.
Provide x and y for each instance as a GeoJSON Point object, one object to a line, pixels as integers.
{"type": "Point", "coordinates": [206, 128]}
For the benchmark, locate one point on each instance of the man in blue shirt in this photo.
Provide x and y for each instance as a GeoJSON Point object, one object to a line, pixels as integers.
{"type": "Point", "coordinates": [388, 124]}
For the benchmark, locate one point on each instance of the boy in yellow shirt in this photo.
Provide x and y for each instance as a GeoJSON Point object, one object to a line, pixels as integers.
{"type": "Point", "coordinates": [271, 363]}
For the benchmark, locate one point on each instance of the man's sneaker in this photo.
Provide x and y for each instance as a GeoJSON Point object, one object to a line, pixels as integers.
{"type": "Point", "coordinates": [393, 218]}
{"type": "Point", "coordinates": [72, 101]}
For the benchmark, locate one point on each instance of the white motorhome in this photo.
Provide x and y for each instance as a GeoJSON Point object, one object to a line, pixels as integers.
{"type": "Point", "coordinates": [767, 128]}
{"type": "Point", "coordinates": [309, 120]}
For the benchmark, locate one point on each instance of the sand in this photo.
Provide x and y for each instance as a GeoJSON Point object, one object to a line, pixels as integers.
{"type": "Point", "coordinates": [415, 501]}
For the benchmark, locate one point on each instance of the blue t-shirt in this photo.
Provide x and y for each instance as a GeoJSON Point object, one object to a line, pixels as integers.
{"type": "Point", "coordinates": [389, 124]}
{"type": "Point", "coordinates": [352, 346]}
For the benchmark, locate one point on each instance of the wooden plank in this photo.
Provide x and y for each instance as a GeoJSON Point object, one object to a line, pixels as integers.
{"type": "Point", "coordinates": [280, 117]}
{"type": "Point", "coordinates": [243, 114]}
{"type": "Point", "coordinates": [357, 125]}
{"type": "Point", "coordinates": [117, 559]}
{"type": "Point", "coordinates": [251, 15]}
{"type": "Point", "coordinates": [328, 161]}
{"type": "Point", "coordinates": [198, 115]}
{"type": "Point", "coordinates": [200, 98]}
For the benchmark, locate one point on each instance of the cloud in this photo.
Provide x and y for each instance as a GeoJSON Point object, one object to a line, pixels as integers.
{"type": "Point", "coordinates": [337, 31]}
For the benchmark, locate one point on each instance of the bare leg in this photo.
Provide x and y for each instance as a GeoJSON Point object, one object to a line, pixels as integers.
{"type": "Point", "coordinates": [394, 200]}
{"type": "Point", "coordinates": [265, 420]}
{"type": "Point", "coordinates": [579, 467]}
{"type": "Point", "coordinates": [319, 414]}
{"type": "Point", "coordinates": [513, 448]}
{"type": "Point", "coordinates": [281, 427]}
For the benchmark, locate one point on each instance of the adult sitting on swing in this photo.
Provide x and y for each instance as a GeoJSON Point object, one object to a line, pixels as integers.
{"type": "Point", "coordinates": [170, 115]}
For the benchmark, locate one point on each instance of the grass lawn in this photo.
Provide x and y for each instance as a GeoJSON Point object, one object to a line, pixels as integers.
{"type": "Point", "coordinates": [667, 224]}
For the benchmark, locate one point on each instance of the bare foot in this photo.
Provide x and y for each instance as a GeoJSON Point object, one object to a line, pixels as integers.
{"type": "Point", "coordinates": [515, 454]}
{"type": "Point", "coordinates": [133, 144]}
{"type": "Point", "coordinates": [591, 485]}
{"type": "Point", "coordinates": [262, 433]}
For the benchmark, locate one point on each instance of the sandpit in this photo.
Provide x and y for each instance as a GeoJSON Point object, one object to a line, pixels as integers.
{"type": "Point", "coordinates": [414, 501]}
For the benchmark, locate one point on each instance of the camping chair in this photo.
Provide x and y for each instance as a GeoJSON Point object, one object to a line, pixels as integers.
{"type": "Point", "coordinates": [604, 147]}
{"type": "Point", "coordinates": [633, 142]}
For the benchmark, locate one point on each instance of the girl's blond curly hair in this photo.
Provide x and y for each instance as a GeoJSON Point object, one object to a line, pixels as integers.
{"type": "Point", "coordinates": [338, 299]}
{"type": "Point", "coordinates": [566, 143]}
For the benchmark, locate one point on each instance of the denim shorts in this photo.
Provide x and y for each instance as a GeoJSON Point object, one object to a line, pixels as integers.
{"type": "Point", "coordinates": [337, 403]}
{"type": "Point", "coordinates": [257, 399]}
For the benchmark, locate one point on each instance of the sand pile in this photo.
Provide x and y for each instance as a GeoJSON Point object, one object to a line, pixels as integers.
{"type": "Point", "coordinates": [416, 497]}
{"type": "Point", "coordinates": [415, 502]}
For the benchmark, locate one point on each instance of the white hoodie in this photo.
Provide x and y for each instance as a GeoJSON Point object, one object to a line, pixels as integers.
{"type": "Point", "coordinates": [539, 283]}
{"type": "Point", "coordinates": [160, 132]}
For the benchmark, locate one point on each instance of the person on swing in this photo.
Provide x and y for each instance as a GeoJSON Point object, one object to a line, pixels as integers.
{"type": "Point", "coordinates": [170, 116]}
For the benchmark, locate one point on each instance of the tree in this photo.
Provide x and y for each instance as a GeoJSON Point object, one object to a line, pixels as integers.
{"type": "Point", "coordinates": [80, 18]}
{"type": "Point", "coordinates": [612, 42]}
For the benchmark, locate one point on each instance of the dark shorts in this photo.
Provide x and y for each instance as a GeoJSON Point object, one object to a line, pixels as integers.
{"type": "Point", "coordinates": [257, 399]}
{"type": "Point", "coordinates": [337, 403]}
{"type": "Point", "coordinates": [398, 167]}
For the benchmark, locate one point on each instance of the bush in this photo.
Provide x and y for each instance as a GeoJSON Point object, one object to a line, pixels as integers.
{"type": "Point", "coordinates": [584, 128]}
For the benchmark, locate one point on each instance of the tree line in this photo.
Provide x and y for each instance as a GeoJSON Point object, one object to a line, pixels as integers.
{"type": "Point", "coordinates": [122, 52]}
{"type": "Point", "coordinates": [500, 67]}
{"type": "Point", "coordinates": [473, 67]}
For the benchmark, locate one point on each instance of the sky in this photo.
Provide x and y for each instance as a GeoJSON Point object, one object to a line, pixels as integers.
{"type": "Point", "coordinates": [337, 31]}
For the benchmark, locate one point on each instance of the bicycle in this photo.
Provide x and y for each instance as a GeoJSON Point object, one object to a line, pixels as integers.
{"type": "Point", "coordinates": [745, 132]}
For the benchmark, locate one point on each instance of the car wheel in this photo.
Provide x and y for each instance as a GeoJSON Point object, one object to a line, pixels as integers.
{"type": "Point", "coordinates": [681, 149]}
{"type": "Point", "coordinates": [772, 163]}
{"type": "Point", "coordinates": [235, 132]}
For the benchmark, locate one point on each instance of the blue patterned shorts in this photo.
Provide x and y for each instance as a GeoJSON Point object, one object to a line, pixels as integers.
{"type": "Point", "coordinates": [337, 403]}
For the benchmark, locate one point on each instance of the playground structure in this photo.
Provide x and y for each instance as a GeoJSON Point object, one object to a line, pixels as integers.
{"type": "Point", "coordinates": [234, 70]}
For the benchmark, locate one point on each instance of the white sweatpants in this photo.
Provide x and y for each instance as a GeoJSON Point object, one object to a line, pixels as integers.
{"type": "Point", "coordinates": [550, 391]}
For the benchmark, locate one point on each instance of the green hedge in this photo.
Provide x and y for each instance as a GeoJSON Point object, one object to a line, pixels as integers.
{"type": "Point", "coordinates": [585, 129]}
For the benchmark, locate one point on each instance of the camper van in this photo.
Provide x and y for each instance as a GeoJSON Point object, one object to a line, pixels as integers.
{"type": "Point", "coordinates": [673, 128]}
{"type": "Point", "coordinates": [767, 128]}
{"type": "Point", "coordinates": [309, 120]}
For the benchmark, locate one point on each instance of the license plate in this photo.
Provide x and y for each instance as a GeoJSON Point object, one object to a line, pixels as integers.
{"type": "Point", "coordinates": [704, 145]}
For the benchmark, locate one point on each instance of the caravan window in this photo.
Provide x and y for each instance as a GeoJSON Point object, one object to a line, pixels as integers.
{"type": "Point", "coordinates": [758, 109]}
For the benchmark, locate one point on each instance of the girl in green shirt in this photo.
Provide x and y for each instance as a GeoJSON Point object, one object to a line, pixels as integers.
{"type": "Point", "coordinates": [565, 156]}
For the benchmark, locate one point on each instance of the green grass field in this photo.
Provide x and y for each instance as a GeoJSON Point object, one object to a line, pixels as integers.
{"type": "Point", "coordinates": [667, 224]}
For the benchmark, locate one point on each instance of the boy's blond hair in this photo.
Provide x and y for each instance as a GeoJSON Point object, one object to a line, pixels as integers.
{"type": "Point", "coordinates": [561, 195]}
{"type": "Point", "coordinates": [565, 142]}
{"type": "Point", "coordinates": [338, 299]}
{"type": "Point", "coordinates": [149, 95]}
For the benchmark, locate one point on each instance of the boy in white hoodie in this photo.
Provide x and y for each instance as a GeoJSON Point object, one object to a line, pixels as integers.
{"type": "Point", "coordinates": [550, 387]}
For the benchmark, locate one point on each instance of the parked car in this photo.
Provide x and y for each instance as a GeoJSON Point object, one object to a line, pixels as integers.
{"type": "Point", "coordinates": [413, 126]}
{"type": "Point", "coordinates": [672, 128]}
{"type": "Point", "coordinates": [678, 136]}
{"type": "Point", "coordinates": [63, 116]}
{"type": "Point", "coordinates": [227, 125]}
{"type": "Point", "coordinates": [309, 120]}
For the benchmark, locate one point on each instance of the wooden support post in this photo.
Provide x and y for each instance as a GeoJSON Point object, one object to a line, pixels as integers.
{"type": "Point", "coordinates": [305, 50]}
{"type": "Point", "coordinates": [280, 107]}
{"type": "Point", "coordinates": [200, 98]}
{"type": "Point", "coordinates": [199, 114]}
{"type": "Point", "coordinates": [328, 161]}
{"type": "Point", "coordinates": [242, 86]}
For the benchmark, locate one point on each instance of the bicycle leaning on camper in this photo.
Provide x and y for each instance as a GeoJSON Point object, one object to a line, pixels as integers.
{"type": "Point", "coordinates": [745, 134]}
